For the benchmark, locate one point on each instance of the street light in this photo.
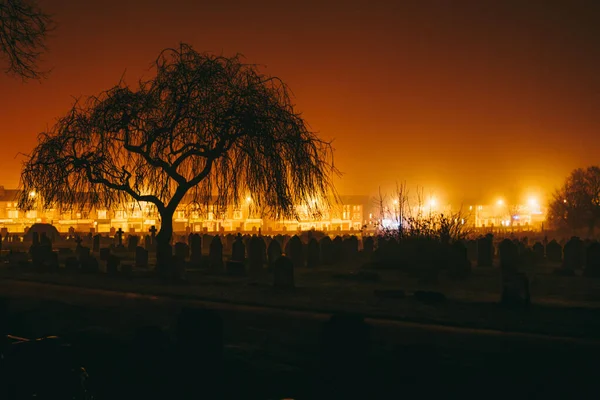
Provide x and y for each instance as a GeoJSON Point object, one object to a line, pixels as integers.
{"type": "Point", "coordinates": [533, 202]}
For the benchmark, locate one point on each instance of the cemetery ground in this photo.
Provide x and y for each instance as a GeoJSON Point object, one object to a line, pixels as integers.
{"type": "Point", "coordinates": [562, 306]}
{"type": "Point", "coordinates": [460, 344]}
{"type": "Point", "coordinates": [276, 354]}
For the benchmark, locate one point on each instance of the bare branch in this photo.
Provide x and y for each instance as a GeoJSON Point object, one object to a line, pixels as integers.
{"type": "Point", "coordinates": [23, 31]}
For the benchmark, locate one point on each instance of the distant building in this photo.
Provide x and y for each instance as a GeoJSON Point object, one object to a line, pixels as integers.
{"type": "Point", "coordinates": [497, 216]}
{"type": "Point", "coordinates": [345, 216]}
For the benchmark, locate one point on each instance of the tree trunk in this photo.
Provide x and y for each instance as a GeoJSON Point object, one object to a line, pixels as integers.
{"type": "Point", "coordinates": [164, 251]}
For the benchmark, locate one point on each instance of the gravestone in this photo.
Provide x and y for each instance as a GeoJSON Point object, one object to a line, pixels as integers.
{"type": "Point", "coordinates": [485, 251]}
{"type": "Point", "coordinates": [119, 237]}
{"type": "Point", "coordinates": [283, 273]}
{"type": "Point", "coordinates": [472, 250]}
{"type": "Point", "coordinates": [152, 231]}
{"type": "Point", "coordinates": [42, 256]}
{"type": "Point", "coordinates": [78, 240]}
{"type": "Point", "coordinates": [35, 239]}
{"type": "Point", "coordinates": [141, 257]}
{"type": "Point", "coordinates": [573, 252]}
{"type": "Point", "coordinates": [273, 252]}
{"type": "Point", "coordinates": [215, 255]}
{"type": "Point", "coordinates": [368, 246]}
{"type": "Point", "coordinates": [112, 265]}
{"type": "Point", "coordinates": [313, 253]}
{"type": "Point", "coordinates": [592, 265]}
{"type": "Point", "coordinates": [350, 248]}
{"type": "Point", "coordinates": [326, 248]}
{"type": "Point", "coordinates": [229, 239]}
{"type": "Point", "coordinates": [256, 255]}
{"type": "Point", "coordinates": [104, 253]}
{"type": "Point", "coordinates": [338, 250]}
{"type": "Point", "coordinates": [521, 245]}
{"type": "Point", "coordinates": [238, 249]}
{"type": "Point", "coordinates": [132, 242]}
{"type": "Point", "coordinates": [148, 242]}
{"type": "Point", "coordinates": [196, 251]}
{"type": "Point", "coordinates": [182, 251]}
{"type": "Point", "coordinates": [295, 251]}
{"type": "Point", "coordinates": [509, 256]}
{"type": "Point", "coordinates": [96, 244]}
{"type": "Point", "coordinates": [538, 252]}
{"type": "Point", "coordinates": [206, 241]}
{"type": "Point", "coordinates": [554, 252]}
{"type": "Point", "coordinates": [459, 264]}
{"type": "Point", "coordinates": [428, 255]}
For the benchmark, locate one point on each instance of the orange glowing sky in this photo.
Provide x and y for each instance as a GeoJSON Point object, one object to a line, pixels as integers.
{"type": "Point", "coordinates": [471, 99]}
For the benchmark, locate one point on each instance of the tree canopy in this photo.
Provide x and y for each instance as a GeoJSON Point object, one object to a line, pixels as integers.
{"type": "Point", "coordinates": [576, 205]}
{"type": "Point", "coordinates": [208, 127]}
{"type": "Point", "coordinates": [23, 31]}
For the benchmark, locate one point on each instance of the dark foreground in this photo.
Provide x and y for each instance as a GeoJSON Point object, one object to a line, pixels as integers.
{"type": "Point", "coordinates": [274, 354]}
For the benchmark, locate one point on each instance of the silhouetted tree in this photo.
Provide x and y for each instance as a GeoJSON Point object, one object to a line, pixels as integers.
{"type": "Point", "coordinates": [207, 127]}
{"type": "Point", "coordinates": [576, 205]}
{"type": "Point", "coordinates": [23, 30]}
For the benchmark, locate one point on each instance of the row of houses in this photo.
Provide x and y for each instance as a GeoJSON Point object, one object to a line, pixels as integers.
{"type": "Point", "coordinates": [346, 215]}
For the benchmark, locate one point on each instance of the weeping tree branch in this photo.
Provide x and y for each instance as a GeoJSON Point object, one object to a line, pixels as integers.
{"type": "Point", "coordinates": [209, 128]}
{"type": "Point", "coordinates": [23, 31]}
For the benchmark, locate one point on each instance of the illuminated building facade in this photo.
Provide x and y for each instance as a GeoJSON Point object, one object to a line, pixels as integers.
{"type": "Point", "coordinates": [347, 216]}
{"type": "Point", "coordinates": [497, 216]}
{"type": "Point", "coordinates": [529, 216]}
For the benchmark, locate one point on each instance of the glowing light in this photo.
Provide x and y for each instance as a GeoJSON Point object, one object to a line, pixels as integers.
{"type": "Point", "coordinates": [388, 223]}
{"type": "Point", "coordinates": [248, 199]}
{"type": "Point", "coordinates": [532, 202]}
{"type": "Point", "coordinates": [565, 201]}
{"type": "Point", "coordinates": [500, 202]}
{"type": "Point", "coordinates": [32, 193]}
{"type": "Point", "coordinates": [432, 202]}
{"type": "Point", "coordinates": [395, 202]}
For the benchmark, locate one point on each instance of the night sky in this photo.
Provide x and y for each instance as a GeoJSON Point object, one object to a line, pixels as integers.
{"type": "Point", "coordinates": [470, 99]}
